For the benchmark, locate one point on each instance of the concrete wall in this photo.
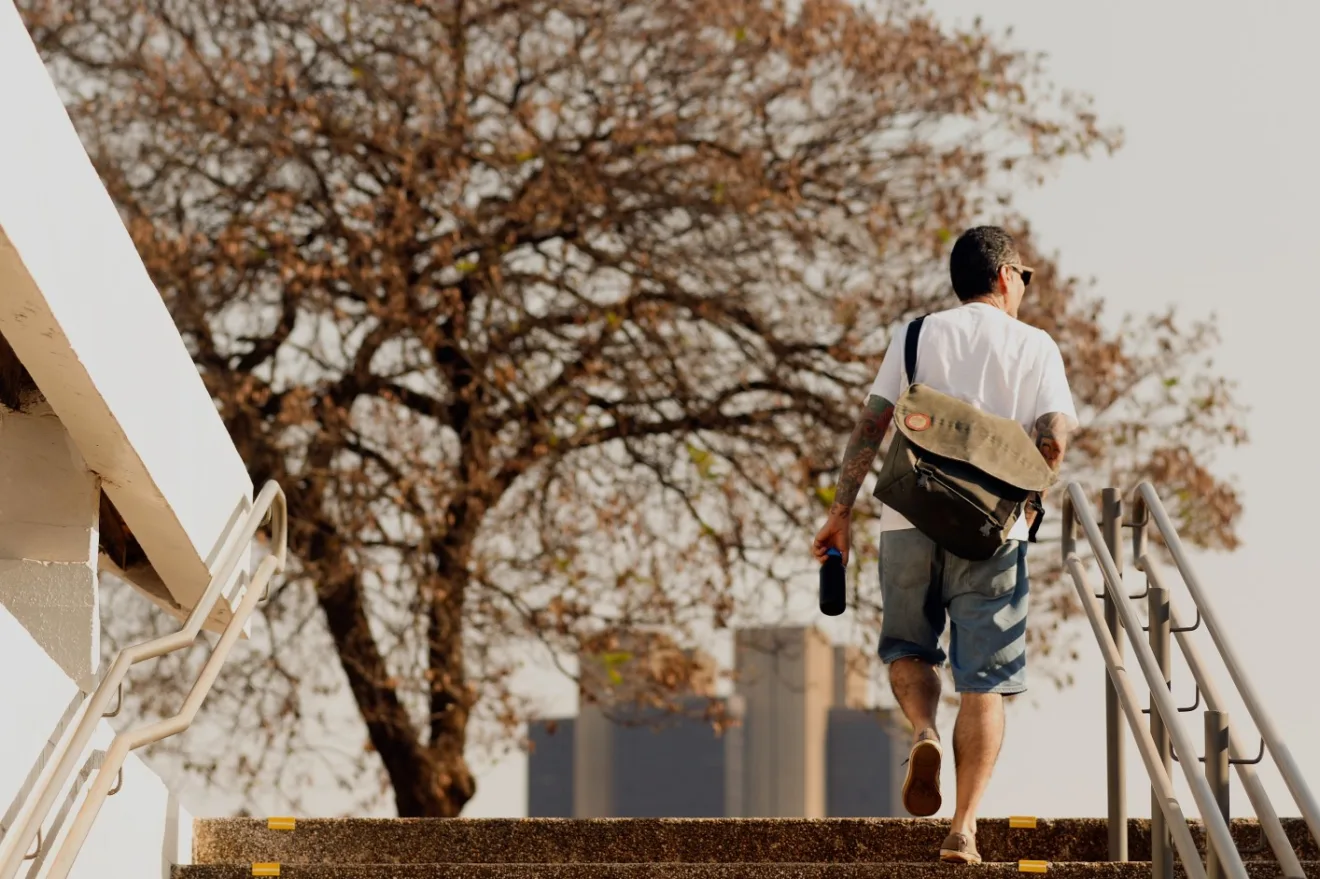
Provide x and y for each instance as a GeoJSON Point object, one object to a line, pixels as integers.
{"type": "Point", "coordinates": [141, 830]}
{"type": "Point", "coordinates": [81, 313]}
{"type": "Point", "coordinates": [124, 412]}
{"type": "Point", "coordinates": [48, 540]}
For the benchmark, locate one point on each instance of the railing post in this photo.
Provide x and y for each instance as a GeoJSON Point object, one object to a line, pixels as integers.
{"type": "Point", "coordinates": [1111, 523]}
{"type": "Point", "coordinates": [1161, 624]}
{"type": "Point", "coordinates": [1216, 773]}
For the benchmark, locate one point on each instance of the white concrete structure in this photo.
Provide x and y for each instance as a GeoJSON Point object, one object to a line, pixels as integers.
{"type": "Point", "coordinates": [142, 829]}
{"type": "Point", "coordinates": [77, 307]}
{"type": "Point", "coordinates": [107, 430]}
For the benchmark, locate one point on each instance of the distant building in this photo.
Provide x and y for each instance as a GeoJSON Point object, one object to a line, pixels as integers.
{"type": "Point", "coordinates": [863, 756]}
{"type": "Point", "coordinates": [652, 763]}
{"type": "Point", "coordinates": [550, 769]}
{"type": "Point", "coordinates": [803, 743]}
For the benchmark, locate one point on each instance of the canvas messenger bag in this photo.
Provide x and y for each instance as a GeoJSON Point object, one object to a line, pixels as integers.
{"type": "Point", "coordinates": [959, 475]}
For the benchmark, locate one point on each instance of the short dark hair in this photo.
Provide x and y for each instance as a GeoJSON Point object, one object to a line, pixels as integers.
{"type": "Point", "coordinates": [977, 256]}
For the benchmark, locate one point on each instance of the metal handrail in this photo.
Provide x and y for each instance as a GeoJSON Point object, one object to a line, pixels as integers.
{"type": "Point", "coordinates": [1147, 501]}
{"type": "Point", "coordinates": [15, 844]}
{"type": "Point", "coordinates": [1127, 696]}
{"type": "Point", "coordinates": [37, 857]}
{"type": "Point", "coordinates": [1270, 824]}
{"type": "Point", "coordinates": [1076, 509]}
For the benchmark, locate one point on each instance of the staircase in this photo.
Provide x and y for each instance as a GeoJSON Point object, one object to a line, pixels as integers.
{"type": "Point", "coordinates": [682, 849]}
{"type": "Point", "coordinates": [887, 848]}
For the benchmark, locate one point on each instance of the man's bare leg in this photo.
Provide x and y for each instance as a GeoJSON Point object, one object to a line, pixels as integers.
{"type": "Point", "coordinates": [977, 737]}
{"type": "Point", "coordinates": [916, 687]}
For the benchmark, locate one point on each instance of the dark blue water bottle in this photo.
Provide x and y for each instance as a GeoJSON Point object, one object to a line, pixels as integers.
{"type": "Point", "coordinates": [833, 585]}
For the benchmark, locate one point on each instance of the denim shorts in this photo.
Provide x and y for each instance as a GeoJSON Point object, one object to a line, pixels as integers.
{"type": "Point", "coordinates": [985, 603]}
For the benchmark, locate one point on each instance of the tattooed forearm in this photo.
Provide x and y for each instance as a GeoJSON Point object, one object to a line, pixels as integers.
{"type": "Point", "coordinates": [1052, 438]}
{"type": "Point", "coordinates": [860, 454]}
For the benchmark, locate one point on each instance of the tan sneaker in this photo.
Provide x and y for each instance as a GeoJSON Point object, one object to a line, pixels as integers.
{"type": "Point", "coordinates": [921, 788]}
{"type": "Point", "coordinates": [959, 848]}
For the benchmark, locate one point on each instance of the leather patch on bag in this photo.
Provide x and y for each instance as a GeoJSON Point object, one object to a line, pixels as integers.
{"type": "Point", "coordinates": [917, 421]}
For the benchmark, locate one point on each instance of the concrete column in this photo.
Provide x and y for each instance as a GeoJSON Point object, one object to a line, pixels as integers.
{"type": "Point", "coordinates": [593, 764]}
{"type": "Point", "coordinates": [852, 681]}
{"type": "Point", "coordinates": [49, 511]}
{"type": "Point", "coordinates": [735, 787]}
{"type": "Point", "coordinates": [785, 677]}
{"type": "Point", "coordinates": [817, 696]}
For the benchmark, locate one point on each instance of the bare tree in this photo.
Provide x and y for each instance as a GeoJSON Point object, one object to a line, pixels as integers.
{"type": "Point", "coordinates": [552, 318]}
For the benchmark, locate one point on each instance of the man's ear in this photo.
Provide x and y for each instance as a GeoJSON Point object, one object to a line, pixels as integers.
{"type": "Point", "coordinates": [1002, 281]}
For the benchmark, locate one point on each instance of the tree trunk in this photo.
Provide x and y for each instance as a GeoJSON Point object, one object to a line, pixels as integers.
{"type": "Point", "coordinates": [451, 697]}
{"type": "Point", "coordinates": [414, 773]}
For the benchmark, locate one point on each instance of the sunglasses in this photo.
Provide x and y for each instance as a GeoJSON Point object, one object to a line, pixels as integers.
{"type": "Point", "coordinates": [1024, 271]}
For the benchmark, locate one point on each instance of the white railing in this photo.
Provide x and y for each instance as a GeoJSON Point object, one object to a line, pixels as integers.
{"type": "Point", "coordinates": [26, 828]}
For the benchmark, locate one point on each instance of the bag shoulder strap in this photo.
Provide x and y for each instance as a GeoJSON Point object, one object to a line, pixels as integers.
{"type": "Point", "coordinates": [910, 348]}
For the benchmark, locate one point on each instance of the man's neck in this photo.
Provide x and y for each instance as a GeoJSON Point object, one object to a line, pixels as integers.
{"type": "Point", "coordinates": [994, 300]}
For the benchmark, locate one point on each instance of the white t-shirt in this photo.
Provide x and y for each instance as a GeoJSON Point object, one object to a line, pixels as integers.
{"type": "Point", "coordinates": [980, 355]}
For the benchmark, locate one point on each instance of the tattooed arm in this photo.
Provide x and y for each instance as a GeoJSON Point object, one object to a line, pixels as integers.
{"type": "Point", "coordinates": [860, 454]}
{"type": "Point", "coordinates": [1051, 440]}
{"type": "Point", "coordinates": [857, 460]}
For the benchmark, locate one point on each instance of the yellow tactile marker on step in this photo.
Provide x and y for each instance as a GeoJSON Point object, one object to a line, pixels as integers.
{"type": "Point", "coordinates": [1033, 866]}
{"type": "Point", "coordinates": [281, 823]}
{"type": "Point", "coordinates": [265, 869]}
{"type": "Point", "coordinates": [1022, 822]}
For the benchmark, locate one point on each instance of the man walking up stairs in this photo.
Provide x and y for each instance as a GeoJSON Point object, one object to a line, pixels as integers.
{"type": "Point", "coordinates": [978, 356]}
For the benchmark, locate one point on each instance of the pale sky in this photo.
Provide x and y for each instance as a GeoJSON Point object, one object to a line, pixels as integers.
{"type": "Point", "coordinates": [1210, 206]}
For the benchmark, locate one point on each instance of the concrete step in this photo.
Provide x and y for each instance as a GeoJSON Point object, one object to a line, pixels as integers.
{"type": "Point", "coordinates": [924, 870]}
{"type": "Point", "coordinates": [669, 840]}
